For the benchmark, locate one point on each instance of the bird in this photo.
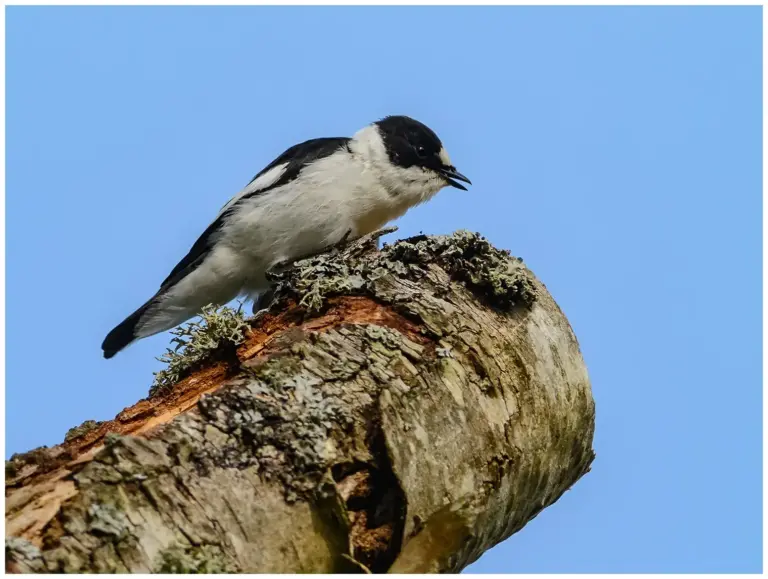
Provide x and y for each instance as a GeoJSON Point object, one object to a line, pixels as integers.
{"type": "Point", "coordinates": [316, 194]}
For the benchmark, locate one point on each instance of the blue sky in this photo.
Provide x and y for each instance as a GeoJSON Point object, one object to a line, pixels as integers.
{"type": "Point", "coordinates": [617, 150]}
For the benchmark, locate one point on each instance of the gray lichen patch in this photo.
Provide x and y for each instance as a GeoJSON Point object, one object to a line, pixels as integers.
{"type": "Point", "coordinates": [492, 274]}
{"type": "Point", "coordinates": [287, 414]}
{"type": "Point", "coordinates": [496, 277]}
{"type": "Point", "coordinates": [312, 280]}
{"type": "Point", "coordinates": [81, 430]}
{"type": "Point", "coordinates": [107, 520]}
{"type": "Point", "coordinates": [24, 555]}
{"type": "Point", "coordinates": [195, 559]}
{"type": "Point", "coordinates": [196, 342]}
{"type": "Point", "coordinates": [279, 419]}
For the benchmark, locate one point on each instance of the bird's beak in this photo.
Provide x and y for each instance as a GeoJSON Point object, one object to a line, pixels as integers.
{"type": "Point", "coordinates": [453, 177]}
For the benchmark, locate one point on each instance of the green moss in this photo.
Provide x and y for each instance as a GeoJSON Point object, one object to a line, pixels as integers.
{"type": "Point", "coordinates": [196, 341]}
{"type": "Point", "coordinates": [202, 559]}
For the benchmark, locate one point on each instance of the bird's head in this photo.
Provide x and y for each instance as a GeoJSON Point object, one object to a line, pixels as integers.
{"type": "Point", "coordinates": [413, 146]}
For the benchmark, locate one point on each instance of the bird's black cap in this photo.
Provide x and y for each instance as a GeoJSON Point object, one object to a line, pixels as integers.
{"type": "Point", "coordinates": [412, 143]}
{"type": "Point", "coordinates": [408, 141]}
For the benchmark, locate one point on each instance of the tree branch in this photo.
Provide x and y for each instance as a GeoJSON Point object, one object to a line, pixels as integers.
{"type": "Point", "coordinates": [399, 410]}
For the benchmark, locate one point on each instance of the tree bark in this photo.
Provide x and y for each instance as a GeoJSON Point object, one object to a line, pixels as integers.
{"type": "Point", "coordinates": [399, 410]}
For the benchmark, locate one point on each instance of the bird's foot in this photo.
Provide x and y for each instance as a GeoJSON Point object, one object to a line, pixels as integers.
{"type": "Point", "coordinates": [340, 244]}
{"type": "Point", "coordinates": [263, 302]}
{"type": "Point", "coordinates": [258, 314]}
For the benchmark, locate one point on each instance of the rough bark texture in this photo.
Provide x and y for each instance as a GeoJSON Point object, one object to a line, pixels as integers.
{"type": "Point", "coordinates": [399, 410]}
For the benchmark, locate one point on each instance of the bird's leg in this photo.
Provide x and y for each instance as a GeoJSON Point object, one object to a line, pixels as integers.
{"type": "Point", "coordinates": [367, 242]}
{"type": "Point", "coordinates": [341, 243]}
{"type": "Point", "coordinates": [262, 302]}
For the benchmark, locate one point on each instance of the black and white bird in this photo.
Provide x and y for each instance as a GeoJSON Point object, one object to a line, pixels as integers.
{"type": "Point", "coordinates": [314, 195]}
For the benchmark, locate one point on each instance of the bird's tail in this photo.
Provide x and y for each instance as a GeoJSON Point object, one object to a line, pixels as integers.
{"type": "Point", "coordinates": [173, 304]}
{"type": "Point", "coordinates": [162, 312]}
{"type": "Point", "coordinates": [125, 332]}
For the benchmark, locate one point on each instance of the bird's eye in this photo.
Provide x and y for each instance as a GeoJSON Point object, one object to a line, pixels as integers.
{"type": "Point", "coordinates": [421, 151]}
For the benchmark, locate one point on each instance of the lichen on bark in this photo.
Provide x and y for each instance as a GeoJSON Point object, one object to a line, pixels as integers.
{"type": "Point", "coordinates": [402, 409]}
{"type": "Point", "coordinates": [205, 559]}
{"type": "Point", "coordinates": [81, 430]}
{"type": "Point", "coordinates": [219, 329]}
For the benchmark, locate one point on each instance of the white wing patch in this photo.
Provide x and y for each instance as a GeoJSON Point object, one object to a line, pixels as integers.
{"type": "Point", "coordinates": [261, 182]}
{"type": "Point", "coordinates": [266, 179]}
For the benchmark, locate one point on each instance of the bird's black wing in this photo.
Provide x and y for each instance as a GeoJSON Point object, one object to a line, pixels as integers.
{"type": "Point", "coordinates": [299, 156]}
{"type": "Point", "coordinates": [295, 158]}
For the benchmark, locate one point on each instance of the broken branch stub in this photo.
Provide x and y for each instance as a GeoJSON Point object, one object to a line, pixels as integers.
{"type": "Point", "coordinates": [399, 410]}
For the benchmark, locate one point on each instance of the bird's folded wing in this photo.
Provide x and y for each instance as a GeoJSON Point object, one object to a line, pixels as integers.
{"type": "Point", "coordinates": [281, 171]}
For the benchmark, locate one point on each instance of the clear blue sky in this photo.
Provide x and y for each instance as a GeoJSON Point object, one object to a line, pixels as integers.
{"type": "Point", "coordinates": [617, 150]}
